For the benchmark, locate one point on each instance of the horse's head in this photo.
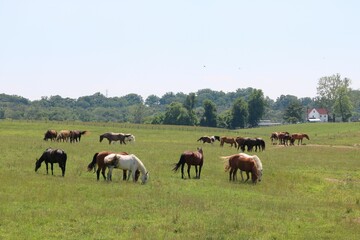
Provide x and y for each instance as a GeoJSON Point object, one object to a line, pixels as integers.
{"type": "Point", "coordinates": [37, 164]}
{"type": "Point", "coordinates": [145, 178]}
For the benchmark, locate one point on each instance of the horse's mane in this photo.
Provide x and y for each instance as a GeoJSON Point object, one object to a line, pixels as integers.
{"type": "Point", "coordinates": [141, 165]}
{"type": "Point", "coordinates": [258, 162]}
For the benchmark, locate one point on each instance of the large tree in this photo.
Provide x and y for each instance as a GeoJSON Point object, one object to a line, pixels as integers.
{"type": "Point", "coordinates": [294, 112]}
{"type": "Point", "coordinates": [332, 92]}
{"type": "Point", "coordinates": [239, 114]}
{"type": "Point", "coordinates": [209, 117]}
{"type": "Point", "coordinates": [256, 106]}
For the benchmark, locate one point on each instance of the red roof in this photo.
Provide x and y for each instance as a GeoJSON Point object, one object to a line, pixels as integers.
{"type": "Point", "coordinates": [321, 111]}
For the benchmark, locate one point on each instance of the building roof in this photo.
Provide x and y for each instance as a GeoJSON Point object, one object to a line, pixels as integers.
{"type": "Point", "coordinates": [322, 111]}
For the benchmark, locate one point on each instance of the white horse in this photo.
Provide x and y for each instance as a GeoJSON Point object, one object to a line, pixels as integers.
{"type": "Point", "coordinates": [126, 162]}
{"type": "Point", "coordinates": [129, 138]}
{"type": "Point", "coordinates": [258, 165]}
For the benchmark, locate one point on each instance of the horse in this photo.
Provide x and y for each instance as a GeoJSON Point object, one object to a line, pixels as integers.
{"type": "Point", "coordinates": [52, 156]}
{"type": "Point", "coordinates": [75, 135]}
{"type": "Point", "coordinates": [214, 138]}
{"type": "Point", "coordinates": [126, 162]}
{"type": "Point", "coordinates": [98, 160]}
{"type": "Point", "coordinates": [245, 163]}
{"type": "Point", "coordinates": [63, 135]}
{"type": "Point", "coordinates": [284, 138]}
{"type": "Point", "coordinates": [274, 138]}
{"type": "Point", "coordinates": [299, 137]}
{"type": "Point", "coordinates": [114, 137]}
{"type": "Point", "coordinates": [190, 158]}
{"type": "Point", "coordinates": [259, 143]}
{"type": "Point", "coordinates": [129, 138]}
{"type": "Point", "coordinates": [229, 140]}
{"type": "Point", "coordinates": [206, 139]}
{"type": "Point", "coordinates": [50, 134]}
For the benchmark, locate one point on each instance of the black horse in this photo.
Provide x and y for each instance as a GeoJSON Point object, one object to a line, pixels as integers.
{"type": "Point", "coordinates": [52, 156]}
{"type": "Point", "coordinates": [252, 144]}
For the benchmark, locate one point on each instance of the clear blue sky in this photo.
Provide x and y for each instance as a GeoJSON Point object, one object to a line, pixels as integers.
{"type": "Point", "coordinates": [75, 48]}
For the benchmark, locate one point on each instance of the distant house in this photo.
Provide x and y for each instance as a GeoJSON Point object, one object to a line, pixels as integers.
{"type": "Point", "coordinates": [317, 115]}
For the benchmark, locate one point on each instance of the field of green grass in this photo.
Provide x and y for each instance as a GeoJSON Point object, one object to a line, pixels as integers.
{"type": "Point", "coordinates": [310, 191]}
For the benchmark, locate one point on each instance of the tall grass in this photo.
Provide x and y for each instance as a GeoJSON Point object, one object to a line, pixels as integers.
{"type": "Point", "coordinates": [308, 192]}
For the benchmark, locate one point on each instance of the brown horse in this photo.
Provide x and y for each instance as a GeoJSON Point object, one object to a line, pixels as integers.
{"type": "Point", "coordinates": [299, 137]}
{"type": "Point", "coordinates": [98, 160]}
{"type": "Point", "coordinates": [190, 158]}
{"type": "Point", "coordinates": [206, 139]}
{"type": "Point", "coordinates": [63, 135]}
{"type": "Point", "coordinates": [229, 140]}
{"type": "Point", "coordinates": [50, 134]}
{"type": "Point", "coordinates": [114, 137]}
{"type": "Point", "coordinates": [75, 135]}
{"type": "Point", "coordinates": [245, 163]}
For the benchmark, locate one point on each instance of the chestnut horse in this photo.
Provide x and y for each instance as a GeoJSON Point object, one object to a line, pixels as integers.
{"type": "Point", "coordinates": [75, 135]}
{"type": "Point", "coordinates": [98, 160]}
{"type": "Point", "coordinates": [229, 140]}
{"type": "Point", "coordinates": [299, 137]}
{"type": "Point", "coordinates": [52, 156]}
{"type": "Point", "coordinates": [190, 158]}
{"type": "Point", "coordinates": [245, 163]}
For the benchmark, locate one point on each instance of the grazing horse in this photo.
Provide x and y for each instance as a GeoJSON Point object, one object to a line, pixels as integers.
{"type": "Point", "coordinates": [206, 139]}
{"type": "Point", "coordinates": [75, 135]}
{"type": "Point", "coordinates": [63, 135]}
{"type": "Point", "coordinates": [114, 137]}
{"type": "Point", "coordinates": [129, 138]}
{"type": "Point", "coordinates": [259, 143]}
{"type": "Point", "coordinates": [284, 138]}
{"type": "Point", "coordinates": [245, 163]}
{"type": "Point", "coordinates": [52, 156]}
{"type": "Point", "coordinates": [190, 158]}
{"type": "Point", "coordinates": [299, 137]}
{"type": "Point", "coordinates": [229, 140]}
{"type": "Point", "coordinates": [126, 162]}
{"type": "Point", "coordinates": [98, 160]}
{"type": "Point", "coordinates": [50, 134]}
{"type": "Point", "coordinates": [274, 138]}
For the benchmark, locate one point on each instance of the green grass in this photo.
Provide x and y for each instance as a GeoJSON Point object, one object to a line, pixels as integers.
{"type": "Point", "coordinates": [308, 192]}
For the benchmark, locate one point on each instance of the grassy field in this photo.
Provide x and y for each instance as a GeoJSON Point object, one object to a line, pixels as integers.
{"type": "Point", "coordinates": [308, 192]}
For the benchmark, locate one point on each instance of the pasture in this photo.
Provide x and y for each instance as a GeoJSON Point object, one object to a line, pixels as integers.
{"type": "Point", "coordinates": [310, 191]}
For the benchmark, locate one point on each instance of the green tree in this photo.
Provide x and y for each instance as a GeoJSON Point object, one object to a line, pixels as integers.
{"type": "Point", "coordinates": [209, 117]}
{"type": "Point", "coordinates": [239, 114]}
{"type": "Point", "coordinates": [343, 104]}
{"type": "Point", "coordinates": [294, 112]}
{"type": "Point", "coordinates": [256, 107]}
{"type": "Point", "coordinates": [177, 114]}
{"type": "Point", "coordinates": [329, 91]}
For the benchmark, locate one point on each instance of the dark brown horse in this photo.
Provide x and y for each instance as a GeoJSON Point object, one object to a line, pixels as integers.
{"type": "Point", "coordinates": [98, 160]}
{"type": "Point", "coordinates": [299, 137]}
{"type": "Point", "coordinates": [190, 158]}
{"type": "Point", "coordinates": [206, 139]}
{"type": "Point", "coordinates": [75, 135]}
{"type": "Point", "coordinates": [50, 134]}
{"type": "Point", "coordinates": [110, 136]}
{"type": "Point", "coordinates": [243, 162]}
{"type": "Point", "coordinates": [52, 156]}
{"type": "Point", "coordinates": [228, 140]}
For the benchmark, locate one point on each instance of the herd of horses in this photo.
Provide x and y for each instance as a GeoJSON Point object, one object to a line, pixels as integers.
{"type": "Point", "coordinates": [64, 135]}
{"type": "Point", "coordinates": [250, 164]}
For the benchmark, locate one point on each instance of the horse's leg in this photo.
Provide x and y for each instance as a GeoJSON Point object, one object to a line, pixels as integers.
{"type": "Point", "coordinates": [182, 170]}
{"type": "Point", "coordinates": [52, 168]}
{"type": "Point", "coordinates": [98, 173]}
{"type": "Point", "coordinates": [124, 175]}
{"type": "Point", "coordinates": [196, 171]}
{"type": "Point", "coordinates": [247, 175]}
{"type": "Point", "coordinates": [103, 169]}
{"type": "Point", "coordinates": [200, 170]}
{"type": "Point", "coordinates": [241, 173]}
{"type": "Point", "coordinates": [234, 174]}
{"type": "Point", "coordinates": [230, 173]}
{"type": "Point", "coordinates": [130, 173]}
{"type": "Point", "coordinates": [109, 174]}
{"type": "Point", "coordinates": [188, 170]}
{"type": "Point", "coordinates": [47, 168]}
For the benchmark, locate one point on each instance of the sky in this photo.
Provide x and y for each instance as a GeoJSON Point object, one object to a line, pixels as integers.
{"type": "Point", "coordinates": [76, 48]}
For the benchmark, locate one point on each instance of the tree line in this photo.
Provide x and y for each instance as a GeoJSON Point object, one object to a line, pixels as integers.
{"type": "Point", "coordinates": [239, 109]}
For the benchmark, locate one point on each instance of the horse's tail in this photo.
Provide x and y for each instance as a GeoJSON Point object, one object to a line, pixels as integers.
{"type": "Point", "coordinates": [181, 162]}
{"type": "Point", "coordinates": [92, 163]}
{"type": "Point", "coordinates": [263, 145]}
{"type": "Point", "coordinates": [226, 162]}
{"type": "Point", "coordinates": [83, 132]}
